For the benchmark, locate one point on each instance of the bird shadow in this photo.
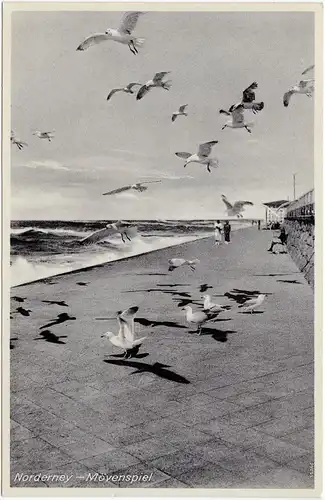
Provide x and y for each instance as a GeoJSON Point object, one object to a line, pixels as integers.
{"type": "Point", "coordinates": [149, 322]}
{"type": "Point", "coordinates": [185, 302]}
{"type": "Point", "coordinates": [14, 339]}
{"type": "Point", "coordinates": [277, 274]}
{"type": "Point", "coordinates": [82, 283]}
{"type": "Point", "coordinates": [131, 354]}
{"type": "Point", "coordinates": [48, 336]}
{"type": "Point", "coordinates": [292, 282]}
{"type": "Point", "coordinates": [18, 299]}
{"type": "Point", "coordinates": [23, 312]}
{"type": "Point", "coordinates": [204, 287]}
{"type": "Point", "coordinates": [60, 319]}
{"type": "Point", "coordinates": [56, 302]}
{"type": "Point", "coordinates": [158, 369]}
{"type": "Point", "coordinates": [217, 335]}
{"type": "Point", "coordinates": [173, 284]}
{"type": "Point", "coordinates": [251, 312]}
{"type": "Point", "coordinates": [150, 274]}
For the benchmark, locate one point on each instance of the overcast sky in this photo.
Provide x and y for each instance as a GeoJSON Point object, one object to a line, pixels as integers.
{"type": "Point", "coordinates": [102, 145]}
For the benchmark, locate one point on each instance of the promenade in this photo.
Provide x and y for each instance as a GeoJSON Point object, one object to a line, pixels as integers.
{"type": "Point", "coordinates": [232, 408]}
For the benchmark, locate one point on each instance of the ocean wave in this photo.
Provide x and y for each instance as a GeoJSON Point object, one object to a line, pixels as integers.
{"type": "Point", "coordinates": [25, 270]}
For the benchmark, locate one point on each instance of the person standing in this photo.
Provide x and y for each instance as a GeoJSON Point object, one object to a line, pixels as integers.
{"type": "Point", "coordinates": [226, 232]}
{"type": "Point", "coordinates": [218, 232]}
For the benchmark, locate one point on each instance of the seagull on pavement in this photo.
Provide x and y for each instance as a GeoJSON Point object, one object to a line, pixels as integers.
{"type": "Point", "coordinates": [236, 208]}
{"type": "Point", "coordinates": [209, 306]}
{"type": "Point", "coordinates": [202, 156]}
{"type": "Point", "coordinates": [174, 263]}
{"type": "Point", "coordinates": [251, 304]}
{"type": "Point", "coordinates": [198, 318]}
{"type": "Point", "coordinates": [20, 144]}
{"type": "Point", "coordinates": [44, 135]}
{"type": "Point", "coordinates": [181, 111]}
{"type": "Point", "coordinates": [139, 186]}
{"type": "Point", "coordinates": [157, 81]}
{"type": "Point", "coordinates": [125, 339]}
{"type": "Point", "coordinates": [122, 35]}
{"type": "Point", "coordinates": [127, 90]}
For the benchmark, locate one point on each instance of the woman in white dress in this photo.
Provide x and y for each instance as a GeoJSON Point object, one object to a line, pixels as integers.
{"type": "Point", "coordinates": [218, 232]}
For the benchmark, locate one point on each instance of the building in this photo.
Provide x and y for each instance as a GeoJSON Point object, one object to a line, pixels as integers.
{"type": "Point", "coordinates": [275, 211]}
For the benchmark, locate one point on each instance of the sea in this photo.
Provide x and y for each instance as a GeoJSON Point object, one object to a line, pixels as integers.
{"type": "Point", "coordinates": [41, 249]}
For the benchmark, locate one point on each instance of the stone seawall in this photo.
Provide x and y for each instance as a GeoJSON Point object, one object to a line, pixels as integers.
{"type": "Point", "coordinates": [301, 246]}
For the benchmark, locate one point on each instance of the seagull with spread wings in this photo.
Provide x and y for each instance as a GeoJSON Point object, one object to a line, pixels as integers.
{"type": "Point", "coordinates": [122, 35]}
{"type": "Point", "coordinates": [111, 230]}
{"type": "Point", "coordinates": [180, 112]}
{"type": "Point", "coordinates": [20, 144]}
{"type": "Point", "coordinates": [125, 339]}
{"type": "Point", "coordinates": [306, 87]}
{"type": "Point", "coordinates": [237, 208]}
{"type": "Point", "coordinates": [127, 90]}
{"type": "Point", "coordinates": [157, 81]}
{"type": "Point", "coordinates": [202, 156]}
{"type": "Point", "coordinates": [237, 118]}
{"type": "Point", "coordinates": [139, 186]}
{"type": "Point", "coordinates": [44, 135]}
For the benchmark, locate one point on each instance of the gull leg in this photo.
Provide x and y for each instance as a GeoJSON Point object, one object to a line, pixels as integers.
{"type": "Point", "coordinates": [224, 127]}
{"type": "Point", "coordinates": [208, 168]}
{"type": "Point", "coordinates": [248, 130]}
{"type": "Point", "coordinates": [122, 238]}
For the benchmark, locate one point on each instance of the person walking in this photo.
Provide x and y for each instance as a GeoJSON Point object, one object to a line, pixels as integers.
{"type": "Point", "coordinates": [226, 232]}
{"type": "Point", "coordinates": [218, 232]}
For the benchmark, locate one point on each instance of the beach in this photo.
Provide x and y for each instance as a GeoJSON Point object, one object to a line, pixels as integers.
{"type": "Point", "coordinates": [232, 408]}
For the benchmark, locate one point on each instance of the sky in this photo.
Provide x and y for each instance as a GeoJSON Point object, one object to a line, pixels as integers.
{"type": "Point", "coordinates": [101, 145]}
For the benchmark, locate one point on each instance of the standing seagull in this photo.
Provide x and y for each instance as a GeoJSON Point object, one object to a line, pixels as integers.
{"type": "Point", "coordinates": [202, 156]}
{"type": "Point", "coordinates": [122, 35]}
{"type": "Point", "coordinates": [237, 118]}
{"type": "Point", "coordinates": [20, 144]}
{"type": "Point", "coordinates": [127, 90]}
{"type": "Point", "coordinates": [137, 187]}
{"type": "Point", "coordinates": [199, 318]}
{"type": "Point", "coordinates": [251, 304]}
{"type": "Point", "coordinates": [125, 337]}
{"type": "Point", "coordinates": [44, 135]}
{"type": "Point", "coordinates": [236, 208]}
{"type": "Point", "coordinates": [157, 81]}
{"type": "Point", "coordinates": [181, 111]}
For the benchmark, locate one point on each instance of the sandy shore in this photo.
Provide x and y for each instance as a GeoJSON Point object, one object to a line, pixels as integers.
{"type": "Point", "coordinates": [232, 408]}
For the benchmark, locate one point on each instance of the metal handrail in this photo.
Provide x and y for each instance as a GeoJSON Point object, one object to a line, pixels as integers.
{"type": "Point", "coordinates": [302, 207]}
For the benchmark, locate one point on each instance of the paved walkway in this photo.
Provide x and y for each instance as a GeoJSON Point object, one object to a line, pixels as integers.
{"type": "Point", "coordinates": [230, 409]}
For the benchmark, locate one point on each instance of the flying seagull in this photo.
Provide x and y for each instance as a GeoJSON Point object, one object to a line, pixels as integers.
{"type": "Point", "coordinates": [202, 156]}
{"type": "Point", "coordinates": [236, 208]}
{"type": "Point", "coordinates": [125, 339]}
{"type": "Point", "coordinates": [20, 144]}
{"type": "Point", "coordinates": [127, 90]}
{"type": "Point", "coordinates": [157, 81]}
{"type": "Point", "coordinates": [199, 318]}
{"type": "Point", "coordinates": [44, 135]}
{"type": "Point", "coordinates": [251, 304]}
{"type": "Point", "coordinates": [306, 87]}
{"type": "Point", "coordinates": [237, 118]}
{"type": "Point", "coordinates": [181, 111]}
{"type": "Point", "coordinates": [248, 100]}
{"type": "Point", "coordinates": [139, 186]}
{"type": "Point", "coordinates": [122, 35]}
{"type": "Point", "coordinates": [175, 263]}
{"type": "Point", "coordinates": [111, 230]}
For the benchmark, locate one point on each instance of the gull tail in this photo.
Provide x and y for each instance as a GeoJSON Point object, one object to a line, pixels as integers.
{"type": "Point", "coordinates": [167, 85]}
{"type": "Point", "coordinates": [139, 42]}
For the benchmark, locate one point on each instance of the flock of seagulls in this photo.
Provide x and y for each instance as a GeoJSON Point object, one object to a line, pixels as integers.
{"type": "Point", "coordinates": [124, 34]}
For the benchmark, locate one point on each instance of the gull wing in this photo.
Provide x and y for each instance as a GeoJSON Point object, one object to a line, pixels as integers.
{"type": "Point", "coordinates": [308, 69]}
{"type": "Point", "coordinates": [226, 202]}
{"type": "Point", "coordinates": [238, 115]}
{"type": "Point", "coordinates": [184, 155]}
{"type": "Point", "coordinates": [249, 94]}
{"type": "Point", "coordinates": [99, 235]}
{"type": "Point", "coordinates": [182, 108]}
{"type": "Point", "coordinates": [119, 190]}
{"type": "Point", "coordinates": [149, 182]}
{"type": "Point", "coordinates": [249, 302]}
{"type": "Point", "coordinates": [174, 116]}
{"type": "Point", "coordinates": [286, 98]}
{"type": "Point", "coordinates": [93, 40]}
{"type": "Point", "coordinates": [129, 22]}
{"type": "Point", "coordinates": [112, 92]}
{"type": "Point", "coordinates": [131, 85]}
{"type": "Point", "coordinates": [142, 92]}
{"type": "Point", "coordinates": [128, 316]}
{"type": "Point", "coordinates": [238, 205]}
{"type": "Point", "coordinates": [206, 147]}
{"type": "Point", "coordinates": [159, 76]}
{"type": "Point", "coordinates": [254, 106]}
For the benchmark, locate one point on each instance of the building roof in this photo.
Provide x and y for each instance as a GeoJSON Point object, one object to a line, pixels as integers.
{"type": "Point", "coordinates": [276, 204]}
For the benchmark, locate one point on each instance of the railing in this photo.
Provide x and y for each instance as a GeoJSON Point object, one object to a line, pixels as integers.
{"type": "Point", "coordinates": [304, 207]}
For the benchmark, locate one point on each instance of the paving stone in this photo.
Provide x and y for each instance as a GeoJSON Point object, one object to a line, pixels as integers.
{"type": "Point", "coordinates": [107, 463]}
{"type": "Point", "coordinates": [210, 477]}
{"type": "Point", "coordinates": [19, 432]}
{"type": "Point", "coordinates": [278, 478]}
{"type": "Point", "coordinates": [33, 454]}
